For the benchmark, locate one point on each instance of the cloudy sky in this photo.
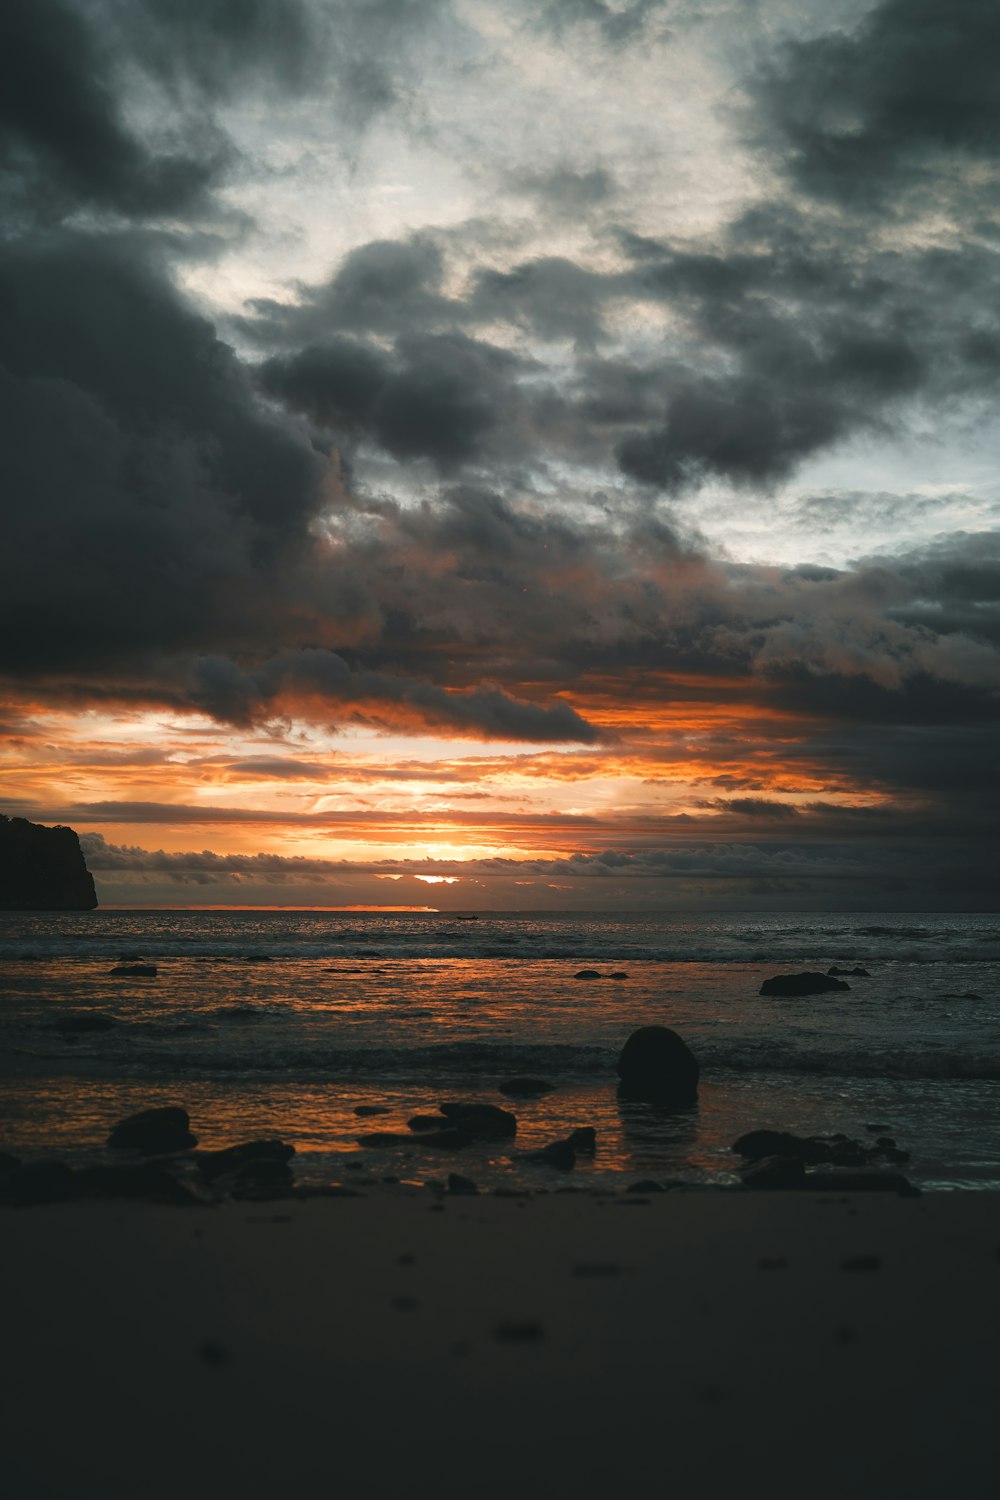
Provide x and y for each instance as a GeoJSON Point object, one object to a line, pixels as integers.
{"type": "Point", "coordinates": [504, 453]}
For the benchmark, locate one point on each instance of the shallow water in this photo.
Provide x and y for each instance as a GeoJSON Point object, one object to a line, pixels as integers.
{"type": "Point", "coordinates": [282, 1023]}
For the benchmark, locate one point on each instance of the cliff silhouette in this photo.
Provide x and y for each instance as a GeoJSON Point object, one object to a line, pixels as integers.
{"type": "Point", "coordinates": [42, 869]}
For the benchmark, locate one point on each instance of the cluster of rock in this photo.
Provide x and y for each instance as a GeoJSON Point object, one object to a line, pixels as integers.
{"type": "Point", "coordinates": [42, 869]}
{"type": "Point", "coordinates": [170, 1171]}
{"type": "Point", "coordinates": [777, 1159]}
{"type": "Point", "coordinates": [459, 1124]}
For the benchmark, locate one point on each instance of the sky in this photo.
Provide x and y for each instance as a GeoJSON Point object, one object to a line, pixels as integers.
{"type": "Point", "coordinates": [523, 455]}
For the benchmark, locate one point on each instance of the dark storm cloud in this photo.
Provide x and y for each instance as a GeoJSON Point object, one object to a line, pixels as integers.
{"type": "Point", "coordinates": [440, 398]}
{"type": "Point", "coordinates": [789, 339]}
{"type": "Point", "coordinates": [158, 513]}
{"type": "Point", "coordinates": [145, 483]}
{"type": "Point", "coordinates": [238, 696]}
{"type": "Point", "coordinates": [385, 286]}
{"type": "Point", "coordinates": [64, 138]}
{"type": "Point", "coordinates": [178, 534]}
{"type": "Point", "coordinates": [916, 82]}
{"type": "Point", "coordinates": [116, 106]}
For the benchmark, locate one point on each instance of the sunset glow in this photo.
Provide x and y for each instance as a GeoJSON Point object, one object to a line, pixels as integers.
{"type": "Point", "coordinates": [406, 487]}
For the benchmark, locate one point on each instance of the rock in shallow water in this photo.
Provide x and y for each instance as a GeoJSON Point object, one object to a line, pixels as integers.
{"type": "Point", "coordinates": [656, 1065]}
{"type": "Point", "coordinates": [244, 1158]}
{"type": "Point", "coordinates": [525, 1087]}
{"type": "Point", "coordinates": [775, 1172]}
{"type": "Point", "coordinates": [809, 982]}
{"type": "Point", "coordinates": [154, 1131]}
{"type": "Point", "coordinates": [485, 1122]}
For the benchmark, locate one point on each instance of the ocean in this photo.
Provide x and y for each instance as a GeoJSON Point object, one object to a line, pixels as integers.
{"type": "Point", "coordinates": [284, 1023]}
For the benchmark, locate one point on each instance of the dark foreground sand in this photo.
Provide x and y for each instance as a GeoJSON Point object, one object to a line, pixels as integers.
{"type": "Point", "coordinates": [710, 1344]}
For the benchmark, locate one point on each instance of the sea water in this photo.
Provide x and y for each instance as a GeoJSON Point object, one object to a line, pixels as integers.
{"type": "Point", "coordinates": [286, 1022]}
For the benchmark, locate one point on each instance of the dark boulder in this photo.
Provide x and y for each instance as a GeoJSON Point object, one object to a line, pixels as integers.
{"type": "Point", "coordinates": [134, 971]}
{"type": "Point", "coordinates": [758, 1144]}
{"type": "Point", "coordinates": [42, 869]}
{"type": "Point", "coordinates": [365, 1111]}
{"type": "Point", "coordinates": [246, 1155]}
{"type": "Point", "coordinates": [655, 1064]}
{"type": "Point", "coordinates": [816, 1150]}
{"type": "Point", "coordinates": [154, 1132]}
{"type": "Point", "coordinates": [485, 1122]}
{"type": "Point", "coordinates": [775, 1172]}
{"type": "Point", "coordinates": [583, 1139]}
{"type": "Point", "coordinates": [588, 974]}
{"type": "Point", "coordinates": [148, 1181]}
{"type": "Point", "coordinates": [808, 983]}
{"type": "Point", "coordinates": [421, 1123]}
{"type": "Point", "coordinates": [618, 974]}
{"type": "Point", "coordinates": [461, 1186]}
{"type": "Point", "coordinates": [447, 1140]}
{"type": "Point", "coordinates": [558, 1154]}
{"type": "Point", "coordinates": [527, 1088]}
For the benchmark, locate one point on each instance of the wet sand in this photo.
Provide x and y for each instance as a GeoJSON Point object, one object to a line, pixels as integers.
{"type": "Point", "coordinates": [560, 1345]}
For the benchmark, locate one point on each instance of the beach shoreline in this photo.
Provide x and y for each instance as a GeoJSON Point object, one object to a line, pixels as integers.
{"type": "Point", "coordinates": [560, 1343]}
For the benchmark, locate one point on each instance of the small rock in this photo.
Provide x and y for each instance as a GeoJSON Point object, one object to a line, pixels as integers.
{"type": "Point", "coordinates": [365, 1111]}
{"type": "Point", "coordinates": [583, 1139]}
{"type": "Point", "coordinates": [447, 1140]}
{"type": "Point", "coordinates": [149, 1181]}
{"type": "Point", "coordinates": [380, 1138]}
{"type": "Point", "coordinates": [483, 1121]}
{"type": "Point", "coordinates": [587, 974]}
{"type": "Point", "coordinates": [526, 1087]}
{"type": "Point", "coordinates": [618, 974]}
{"type": "Point", "coordinates": [856, 973]}
{"type": "Point", "coordinates": [154, 1132]}
{"type": "Point", "coordinates": [134, 971]}
{"type": "Point", "coordinates": [559, 1154]}
{"type": "Point", "coordinates": [807, 983]}
{"type": "Point", "coordinates": [463, 1186]}
{"type": "Point", "coordinates": [775, 1173]}
{"type": "Point", "coordinates": [645, 1185]}
{"type": "Point", "coordinates": [425, 1122]}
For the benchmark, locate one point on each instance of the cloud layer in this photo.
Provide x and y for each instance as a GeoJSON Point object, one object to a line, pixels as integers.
{"type": "Point", "coordinates": [467, 476]}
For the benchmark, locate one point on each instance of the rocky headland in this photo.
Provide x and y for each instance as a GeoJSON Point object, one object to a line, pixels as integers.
{"type": "Point", "coordinates": [42, 869]}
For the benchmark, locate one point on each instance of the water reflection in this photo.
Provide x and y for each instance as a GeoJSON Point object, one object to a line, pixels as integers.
{"type": "Point", "coordinates": [656, 1138]}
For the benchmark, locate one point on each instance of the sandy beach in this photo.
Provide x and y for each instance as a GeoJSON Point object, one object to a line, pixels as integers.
{"type": "Point", "coordinates": [402, 1342]}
